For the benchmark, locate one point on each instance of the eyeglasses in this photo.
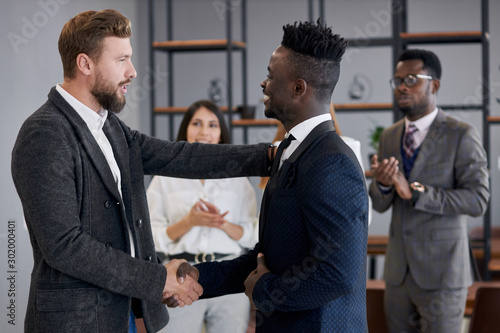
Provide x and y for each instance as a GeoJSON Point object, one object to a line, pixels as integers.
{"type": "Point", "coordinates": [409, 80]}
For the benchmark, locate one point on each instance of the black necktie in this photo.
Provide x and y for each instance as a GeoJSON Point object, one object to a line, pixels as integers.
{"type": "Point", "coordinates": [283, 145]}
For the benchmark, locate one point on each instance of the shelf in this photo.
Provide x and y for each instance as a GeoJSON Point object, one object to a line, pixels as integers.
{"type": "Point", "coordinates": [442, 37]}
{"type": "Point", "coordinates": [494, 265]}
{"type": "Point", "coordinates": [362, 106]}
{"type": "Point", "coordinates": [255, 122]}
{"type": "Point", "coordinates": [181, 109]}
{"type": "Point", "coordinates": [377, 244]}
{"type": "Point", "coordinates": [367, 42]}
{"type": "Point", "coordinates": [421, 38]}
{"type": "Point", "coordinates": [198, 45]}
{"type": "Point", "coordinates": [493, 119]}
{"type": "Point", "coordinates": [478, 107]}
{"type": "Point", "coordinates": [338, 107]}
{"type": "Point", "coordinates": [494, 249]}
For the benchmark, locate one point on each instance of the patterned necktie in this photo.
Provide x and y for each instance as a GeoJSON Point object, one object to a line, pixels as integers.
{"type": "Point", "coordinates": [277, 159]}
{"type": "Point", "coordinates": [409, 141]}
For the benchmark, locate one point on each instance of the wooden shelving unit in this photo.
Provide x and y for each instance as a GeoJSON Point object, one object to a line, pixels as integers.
{"type": "Point", "coordinates": [171, 46]}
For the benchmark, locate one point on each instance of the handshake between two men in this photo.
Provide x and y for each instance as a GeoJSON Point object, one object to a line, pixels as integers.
{"type": "Point", "coordinates": [182, 287]}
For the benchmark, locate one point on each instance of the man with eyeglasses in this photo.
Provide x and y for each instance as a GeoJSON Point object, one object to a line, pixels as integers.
{"type": "Point", "coordinates": [431, 169]}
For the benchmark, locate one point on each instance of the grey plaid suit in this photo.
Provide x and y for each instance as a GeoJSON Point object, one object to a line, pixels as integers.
{"type": "Point", "coordinates": [430, 240]}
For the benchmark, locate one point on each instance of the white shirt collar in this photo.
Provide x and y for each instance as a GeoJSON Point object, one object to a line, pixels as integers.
{"type": "Point", "coordinates": [95, 121]}
{"type": "Point", "coordinates": [301, 130]}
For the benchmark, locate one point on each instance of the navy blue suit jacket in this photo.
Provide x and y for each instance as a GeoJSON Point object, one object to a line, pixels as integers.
{"type": "Point", "coordinates": [314, 241]}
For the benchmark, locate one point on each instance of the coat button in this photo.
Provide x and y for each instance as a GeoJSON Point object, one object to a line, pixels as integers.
{"type": "Point", "coordinates": [108, 244]}
{"type": "Point", "coordinates": [139, 223]}
{"type": "Point", "coordinates": [107, 204]}
{"type": "Point", "coordinates": [149, 259]}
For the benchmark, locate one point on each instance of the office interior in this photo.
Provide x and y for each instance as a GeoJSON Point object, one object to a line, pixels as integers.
{"type": "Point", "coordinates": [31, 65]}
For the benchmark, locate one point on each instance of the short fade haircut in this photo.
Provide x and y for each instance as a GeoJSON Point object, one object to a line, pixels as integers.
{"type": "Point", "coordinates": [85, 33]}
{"type": "Point", "coordinates": [225, 137]}
{"type": "Point", "coordinates": [431, 61]}
{"type": "Point", "coordinates": [316, 56]}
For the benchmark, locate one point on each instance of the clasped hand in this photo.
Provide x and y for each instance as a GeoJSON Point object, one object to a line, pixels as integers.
{"type": "Point", "coordinates": [182, 287]}
{"type": "Point", "coordinates": [205, 214]}
{"type": "Point", "coordinates": [387, 173]}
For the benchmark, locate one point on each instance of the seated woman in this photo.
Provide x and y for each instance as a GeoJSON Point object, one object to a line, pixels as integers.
{"type": "Point", "coordinates": [204, 220]}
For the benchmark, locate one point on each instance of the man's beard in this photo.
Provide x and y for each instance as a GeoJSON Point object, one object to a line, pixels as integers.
{"type": "Point", "coordinates": [107, 95]}
{"type": "Point", "coordinates": [415, 111]}
{"type": "Point", "coordinates": [280, 114]}
{"type": "Point", "coordinates": [419, 108]}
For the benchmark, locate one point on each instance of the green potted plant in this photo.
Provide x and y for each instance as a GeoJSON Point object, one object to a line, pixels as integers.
{"type": "Point", "coordinates": [375, 138]}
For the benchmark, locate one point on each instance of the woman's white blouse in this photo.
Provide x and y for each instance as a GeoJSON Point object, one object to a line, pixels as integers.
{"type": "Point", "coordinates": [170, 200]}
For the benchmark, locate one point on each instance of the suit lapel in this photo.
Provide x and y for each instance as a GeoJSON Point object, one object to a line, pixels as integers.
{"type": "Point", "coordinates": [424, 153]}
{"type": "Point", "coordinates": [397, 136]}
{"type": "Point", "coordinates": [118, 141]}
{"type": "Point", "coordinates": [279, 177]}
{"type": "Point", "coordinates": [87, 141]}
{"type": "Point", "coordinates": [264, 207]}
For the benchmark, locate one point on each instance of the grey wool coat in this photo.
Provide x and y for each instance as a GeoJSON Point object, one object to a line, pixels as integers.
{"type": "Point", "coordinates": [84, 278]}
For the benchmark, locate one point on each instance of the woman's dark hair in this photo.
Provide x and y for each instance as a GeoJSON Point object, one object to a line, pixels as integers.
{"type": "Point", "coordinates": [224, 131]}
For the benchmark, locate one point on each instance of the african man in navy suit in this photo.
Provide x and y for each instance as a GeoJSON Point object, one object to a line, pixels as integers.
{"type": "Point", "coordinates": [311, 253]}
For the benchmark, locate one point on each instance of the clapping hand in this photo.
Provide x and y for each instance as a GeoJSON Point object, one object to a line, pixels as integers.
{"type": "Point", "coordinates": [205, 214]}
{"type": "Point", "coordinates": [402, 186]}
{"type": "Point", "coordinates": [384, 171]}
{"type": "Point", "coordinates": [387, 173]}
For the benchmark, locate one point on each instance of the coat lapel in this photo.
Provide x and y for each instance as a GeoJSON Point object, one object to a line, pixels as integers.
{"type": "Point", "coordinates": [425, 152]}
{"type": "Point", "coordinates": [121, 156]}
{"type": "Point", "coordinates": [397, 136]}
{"type": "Point", "coordinates": [87, 141]}
{"type": "Point", "coordinates": [278, 178]}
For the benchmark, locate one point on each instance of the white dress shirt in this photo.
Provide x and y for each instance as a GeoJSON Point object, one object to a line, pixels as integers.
{"type": "Point", "coordinates": [300, 131]}
{"type": "Point", "coordinates": [171, 199]}
{"type": "Point", "coordinates": [95, 122]}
